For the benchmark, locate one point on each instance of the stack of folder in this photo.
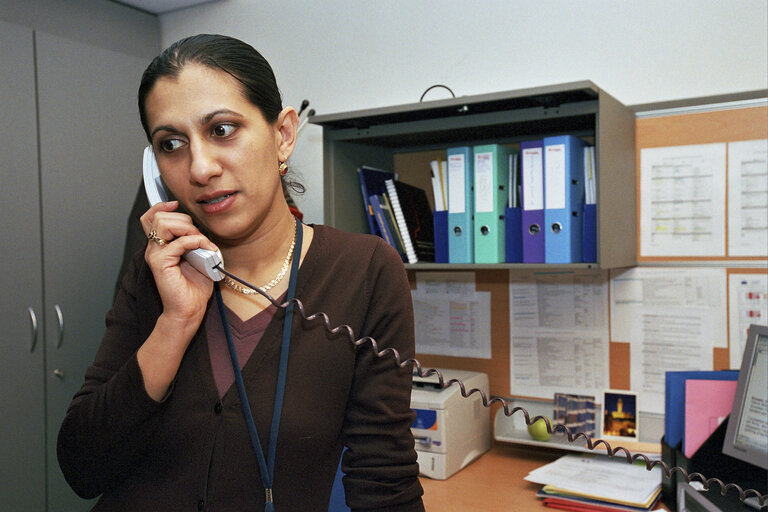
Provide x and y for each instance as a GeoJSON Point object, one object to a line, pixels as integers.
{"type": "Point", "coordinates": [694, 404]}
{"type": "Point", "coordinates": [372, 184]}
{"type": "Point", "coordinates": [497, 204]}
{"type": "Point", "coordinates": [399, 213]}
{"type": "Point", "coordinates": [594, 482]}
{"type": "Point", "coordinates": [566, 501]}
{"type": "Point", "coordinates": [684, 407]}
{"type": "Point", "coordinates": [535, 204]}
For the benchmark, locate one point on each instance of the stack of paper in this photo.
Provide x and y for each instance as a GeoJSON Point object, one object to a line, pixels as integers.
{"type": "Point", "coordinates": [597, 483]}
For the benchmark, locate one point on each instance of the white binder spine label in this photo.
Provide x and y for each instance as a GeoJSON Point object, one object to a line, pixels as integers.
{"type": "Point", "coordinates": [484, 182]}
{"type": "Point", "coordinates": [554, 172]}
{"type": "Point", "coordinates": [533, 179]}
{"type": "Point", "coordinates": [456, 185]}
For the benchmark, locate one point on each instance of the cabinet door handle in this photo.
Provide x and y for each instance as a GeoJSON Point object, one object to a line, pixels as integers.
{"type": "Point", "coordinates": [60, 320]}
{"type": "Point", "coordinates": [33, 321]}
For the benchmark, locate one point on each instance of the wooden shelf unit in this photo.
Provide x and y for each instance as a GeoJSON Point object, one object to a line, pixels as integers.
{"type": "Point", "coordinates": [405, 138]}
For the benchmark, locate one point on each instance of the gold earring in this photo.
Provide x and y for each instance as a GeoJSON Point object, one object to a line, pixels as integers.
{"type": "Point", "coordinates": [283, 168]}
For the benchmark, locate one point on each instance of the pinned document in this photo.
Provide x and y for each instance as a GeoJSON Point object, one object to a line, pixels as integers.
{"type": "Point", "coordinates": [491, 194]}
{"type": "Point", "coordinates": [563, 198]}
{"type": "Point", "coordinates": [461, 247]}
{"type": "Point", "coordinates": [532, 170]}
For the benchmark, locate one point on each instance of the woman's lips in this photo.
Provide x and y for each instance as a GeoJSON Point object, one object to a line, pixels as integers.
{"type": "Point", "coordinates": [217, 203]}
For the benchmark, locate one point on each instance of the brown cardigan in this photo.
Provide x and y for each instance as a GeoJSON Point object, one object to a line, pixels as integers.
{"type": "Point", "coordinates": [192, 452]}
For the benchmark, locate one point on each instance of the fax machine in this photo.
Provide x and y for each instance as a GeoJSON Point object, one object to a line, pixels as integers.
{"type": "Point", "coordinates": [450, 430]}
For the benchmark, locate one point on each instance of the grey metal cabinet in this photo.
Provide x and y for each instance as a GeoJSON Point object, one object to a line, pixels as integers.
{"type": "Point", "coordinates": [70, 153]}
{"type": "Point", "coordinates": [22, 391]}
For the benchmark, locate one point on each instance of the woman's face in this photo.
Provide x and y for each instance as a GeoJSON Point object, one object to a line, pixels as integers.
{"type": "Point", "coordinates": [217, 153]}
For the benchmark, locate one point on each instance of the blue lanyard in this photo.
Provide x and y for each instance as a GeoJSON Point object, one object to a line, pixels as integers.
{"type": "Point", "coordinates": [267, 469]}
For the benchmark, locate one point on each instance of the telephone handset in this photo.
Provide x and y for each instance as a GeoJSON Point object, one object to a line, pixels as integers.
{"type": "Point", "coordinates": [204, 261]}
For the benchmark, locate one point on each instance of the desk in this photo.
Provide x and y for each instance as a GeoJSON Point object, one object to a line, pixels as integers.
{"type": "Point", "coordinates": [492, 483]}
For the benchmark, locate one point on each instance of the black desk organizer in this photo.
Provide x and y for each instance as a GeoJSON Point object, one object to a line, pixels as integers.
{"type": "Point", "coordinates": [710, 461]}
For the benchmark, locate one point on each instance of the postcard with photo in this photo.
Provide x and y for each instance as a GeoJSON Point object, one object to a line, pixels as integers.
{"type": "Point", "coordinates": [620, 415]}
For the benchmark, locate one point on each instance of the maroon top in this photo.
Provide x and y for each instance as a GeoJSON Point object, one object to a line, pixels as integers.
{"type": "Point", "coordinates": [245, 335]}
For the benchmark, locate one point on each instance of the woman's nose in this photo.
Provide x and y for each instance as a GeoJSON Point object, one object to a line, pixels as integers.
{"type": "Point", "coordinates": [203, 163]}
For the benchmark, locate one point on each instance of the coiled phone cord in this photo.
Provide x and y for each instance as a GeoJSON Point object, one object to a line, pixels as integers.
{"type": "Point", "coordinates": [422, 372]}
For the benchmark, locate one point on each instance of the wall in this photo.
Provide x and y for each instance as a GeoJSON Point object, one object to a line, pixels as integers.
{"type": "Point", "coordinates": [96, 22]}
{"type": "Point", "coordinates": [354, 55]}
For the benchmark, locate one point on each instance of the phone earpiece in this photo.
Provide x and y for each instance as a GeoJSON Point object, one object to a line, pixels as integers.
{"type": "Point", "coordinates": [204, 261]}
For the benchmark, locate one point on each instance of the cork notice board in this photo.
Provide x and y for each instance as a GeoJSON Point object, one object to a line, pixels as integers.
{"type": "Point", "coordinates": [687, 129]}
{"type": "Point", "coordinates": [716, 127]}
{"type": "Point", "coordinates": [721, 126]}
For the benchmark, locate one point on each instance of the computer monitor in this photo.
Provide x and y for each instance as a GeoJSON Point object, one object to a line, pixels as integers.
{"type": "Point", "coordinates": [746, 436]}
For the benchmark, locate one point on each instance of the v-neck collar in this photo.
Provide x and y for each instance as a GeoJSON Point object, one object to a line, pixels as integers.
{"type": "Point", "coordinates": [270, 339]}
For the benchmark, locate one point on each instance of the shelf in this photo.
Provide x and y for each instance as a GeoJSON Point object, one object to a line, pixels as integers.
{"type": "Point", "coordinates": [404, 138]}
{"type": "Point", "coordinates": [521, 99]}
{"type": "Point", "coordinates": [512, 429]}
{"type": "Point", "coordinates": [498, 266]}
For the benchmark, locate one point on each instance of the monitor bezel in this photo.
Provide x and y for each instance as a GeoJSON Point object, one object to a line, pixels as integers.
{"type": "Point", "coordinates": [729, 443]}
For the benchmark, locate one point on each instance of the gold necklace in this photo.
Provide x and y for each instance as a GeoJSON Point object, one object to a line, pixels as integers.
{"type": "Point", "coordinates": [245, 290]}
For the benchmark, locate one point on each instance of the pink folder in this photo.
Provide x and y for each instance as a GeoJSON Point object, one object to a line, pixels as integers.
{"type": "Point", "coordinates": [707, 403]}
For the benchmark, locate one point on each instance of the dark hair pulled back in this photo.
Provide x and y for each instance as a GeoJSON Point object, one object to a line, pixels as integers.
{"type": "Point", "coordinates": [238, 59]}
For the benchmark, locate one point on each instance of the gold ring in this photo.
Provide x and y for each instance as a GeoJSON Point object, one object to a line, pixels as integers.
{"type": "Point", "coordinates": [153, 236]}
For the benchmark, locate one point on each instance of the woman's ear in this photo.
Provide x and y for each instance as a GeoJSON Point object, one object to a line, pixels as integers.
{"type": "Point", "coordinates": [287, 126]}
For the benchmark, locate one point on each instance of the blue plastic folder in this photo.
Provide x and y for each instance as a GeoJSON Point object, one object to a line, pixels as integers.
{"type": "Point", "coordinates": [563, 198]}
{"type": "Point", "coordinates": [441, 235]}
{"type": "Point", "coordinates": [461, 247]}
{"type": "Point", "coordinates": [674, 400]}
{"type": "Point", "coordinates": [491, 196]}
{"type": "Point", "coordinates": [589, 234]}
{"type": "Point", "coordinates": [513, 240]}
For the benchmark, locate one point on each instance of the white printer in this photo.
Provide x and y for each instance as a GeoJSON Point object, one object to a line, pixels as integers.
{"type": "Point", "coordinates": [450, 430]}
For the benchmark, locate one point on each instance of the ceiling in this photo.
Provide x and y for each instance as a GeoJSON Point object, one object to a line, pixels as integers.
{"type": "Point", "coordinates": [161, 6]}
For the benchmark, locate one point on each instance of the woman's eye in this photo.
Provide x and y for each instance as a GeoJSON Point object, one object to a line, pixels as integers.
{"type": "Point", "coordinates": [169, 145]}
{"type": "Point", "coordinates": [222, 130]}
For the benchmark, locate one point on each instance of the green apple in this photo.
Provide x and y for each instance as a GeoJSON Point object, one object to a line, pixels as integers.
{"type": "Point", "coordinates": [538, 430]}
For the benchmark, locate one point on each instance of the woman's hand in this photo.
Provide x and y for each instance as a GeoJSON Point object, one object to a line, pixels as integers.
{"type": "Point", "coordinates": [184, 292]}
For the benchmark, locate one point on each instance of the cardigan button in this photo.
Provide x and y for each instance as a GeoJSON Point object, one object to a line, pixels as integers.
{"type": "Point", "coordinates": [201, 505]}
{"type": "Point", "coordinates": [218, 408]}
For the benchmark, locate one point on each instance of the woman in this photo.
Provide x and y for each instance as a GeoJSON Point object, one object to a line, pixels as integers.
{"type": "Point", "coordinates": [158, 423]}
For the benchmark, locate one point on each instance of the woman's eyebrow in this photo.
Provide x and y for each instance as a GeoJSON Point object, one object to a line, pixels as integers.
{"type": "Point", "coordinates": [207, 118]}
{"type": "Point", "coordinates": [203, 120]}
{"type": "Point", "coordinates": [164, 127]}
